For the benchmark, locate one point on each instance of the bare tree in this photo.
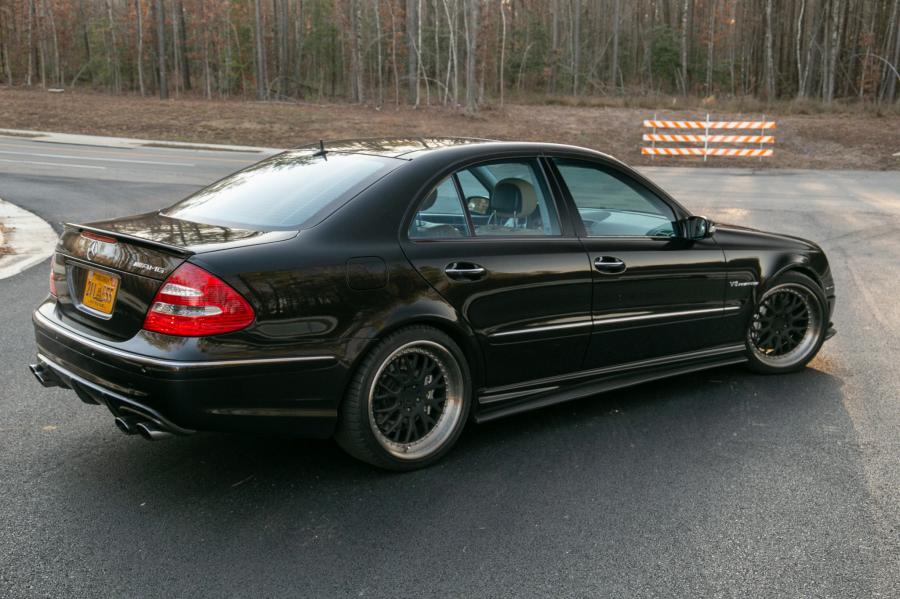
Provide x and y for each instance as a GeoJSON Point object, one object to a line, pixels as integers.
{"type": "Point", "coordinates": [139, 31]}
{"type": "Point", "coordinates": [412, 53]}
{"type": "Point", "coordinates": [614, 63]}
{"type": "Point", "coordinates": [356, 79]}
{"type": "Point", "coordinates": [472, 24]}
{"type": "Point", "coordinates": [770, 60]}
{"type": "Point", "coordinates": [685, 20]}
{"type": "Point", "coordinates": [502, 50]}
{"type": "Point", "coordinates": [262, 82]}
{"type": "Point", "coordinates": [161, 50]}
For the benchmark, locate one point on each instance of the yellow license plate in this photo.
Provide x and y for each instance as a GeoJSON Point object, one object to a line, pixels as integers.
{"type": "Point", "coordinates": [100, 291]}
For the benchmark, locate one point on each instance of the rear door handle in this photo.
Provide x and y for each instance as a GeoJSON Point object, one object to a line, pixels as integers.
{"type": "Point", "coordinates": [465, 271]}
{"type": "Point", "coordinates": [609, 264]}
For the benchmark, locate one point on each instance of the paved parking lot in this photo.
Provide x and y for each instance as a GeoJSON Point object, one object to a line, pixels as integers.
{"type": "Point", "coordinates": [722, 483]}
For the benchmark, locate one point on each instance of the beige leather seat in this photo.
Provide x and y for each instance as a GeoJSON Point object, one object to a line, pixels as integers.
{"type": "Point", "coordinates": [514, 202]}
{"type": "Point", "coordinates": [424, 229]}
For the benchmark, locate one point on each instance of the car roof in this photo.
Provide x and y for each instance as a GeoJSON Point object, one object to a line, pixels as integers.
{"type": "Point", "coordinates": [393, 147]}
{"type": "Point", "coordinates": [409, 148]}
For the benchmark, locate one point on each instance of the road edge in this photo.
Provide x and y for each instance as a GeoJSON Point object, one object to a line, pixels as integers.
{"type": "Point", "coordinates": [30, 237]}
{"type": "Point", "coordinates": [126, 142]}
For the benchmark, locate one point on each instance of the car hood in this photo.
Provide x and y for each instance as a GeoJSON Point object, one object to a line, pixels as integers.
{"type": "Point", "coordinates": [737, 235]}
{"type": "Point", "coordinates": [192, 237]}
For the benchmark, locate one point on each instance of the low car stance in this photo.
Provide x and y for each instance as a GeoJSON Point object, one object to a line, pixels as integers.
{"type": "Point", "coordinates": [387, 292]}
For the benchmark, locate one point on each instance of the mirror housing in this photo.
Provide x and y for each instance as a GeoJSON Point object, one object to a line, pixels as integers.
{"type": "Point", "coordinates": [698, 227]}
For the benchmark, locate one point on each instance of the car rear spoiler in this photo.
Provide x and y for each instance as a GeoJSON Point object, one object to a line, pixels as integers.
{"type": "Point", "coordinates": [174, 249]}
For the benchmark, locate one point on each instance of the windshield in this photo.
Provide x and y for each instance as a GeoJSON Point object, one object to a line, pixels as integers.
{"type": "Point", "coordinates": [286, 191]}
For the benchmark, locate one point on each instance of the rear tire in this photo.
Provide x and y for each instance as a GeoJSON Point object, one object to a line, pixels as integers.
{"type": "Point", "coordinates": [407, 402]}
{"type": "Point", "coordinates": [788, 325]}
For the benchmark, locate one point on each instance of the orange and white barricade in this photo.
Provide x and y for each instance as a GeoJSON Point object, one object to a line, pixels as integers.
{"type": "Point", "coordinates": [699, 143]}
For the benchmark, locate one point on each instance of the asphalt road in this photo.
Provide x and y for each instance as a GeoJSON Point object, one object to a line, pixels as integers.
{"type": "Point", "coordinates": [717, 484]}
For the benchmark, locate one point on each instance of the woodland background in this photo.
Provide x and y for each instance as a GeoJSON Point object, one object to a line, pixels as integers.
{"type": "Point", "coordinates": [466, 53]}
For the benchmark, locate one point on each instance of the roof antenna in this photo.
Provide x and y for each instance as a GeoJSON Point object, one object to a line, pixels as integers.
{"type": "Point", "coordinates": [322, 151]}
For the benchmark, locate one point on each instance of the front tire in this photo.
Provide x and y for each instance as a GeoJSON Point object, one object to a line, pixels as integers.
{"type": "Point", "coordinates": [788, 325]}
{"type": "Point", "coordinates": [407, 402]}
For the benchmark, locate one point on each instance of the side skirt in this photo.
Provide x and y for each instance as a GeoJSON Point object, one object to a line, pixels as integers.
{"type": "Point", "coordinates": [506, 402]}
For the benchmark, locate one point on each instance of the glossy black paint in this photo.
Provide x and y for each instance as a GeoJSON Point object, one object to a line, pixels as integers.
{"type": "Point", "coordinates": [542, 325]}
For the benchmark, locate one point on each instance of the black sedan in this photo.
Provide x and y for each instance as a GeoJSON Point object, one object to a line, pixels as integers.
{"type": "Point", "coordinates": [386, 292]}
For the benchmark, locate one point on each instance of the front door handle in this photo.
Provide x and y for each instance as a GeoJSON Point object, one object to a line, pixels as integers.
{"type": "Point", "coordinates": [465, 271]}
{"type": "Point", "coordinates": [609, 264]}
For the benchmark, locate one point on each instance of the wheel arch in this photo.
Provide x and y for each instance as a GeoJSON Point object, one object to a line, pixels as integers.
{"type": "Point", "coordinates": [457, 330]}
{"type": "Point", "coordinates": [797, 265]}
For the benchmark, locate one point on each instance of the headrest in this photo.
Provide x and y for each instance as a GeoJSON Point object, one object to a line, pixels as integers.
{"type": "Point", "coordinates": [429, 200]}
{"type": "Point", "coordinates": [513, 197]}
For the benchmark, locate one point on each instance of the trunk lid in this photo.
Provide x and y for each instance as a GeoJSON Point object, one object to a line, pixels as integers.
{"type": "Point", "coordinates": [107, 273]}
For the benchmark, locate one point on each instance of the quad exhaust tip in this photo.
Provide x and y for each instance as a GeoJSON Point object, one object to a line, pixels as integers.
{"type": "Point", "coordinates": [44, 375]}
{"type": "Point", "coordinates": [149, 431]}
{"type": "Point", "coordinates": [146, 430]}
{"type": "Point", "coordinates": [125, 425]}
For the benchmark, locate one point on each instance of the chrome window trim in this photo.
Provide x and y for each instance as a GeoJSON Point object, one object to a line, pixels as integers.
{"type": "Point", "coordinates": [658, 315]}
{"type": "Point", "coordinates": [175, 365]}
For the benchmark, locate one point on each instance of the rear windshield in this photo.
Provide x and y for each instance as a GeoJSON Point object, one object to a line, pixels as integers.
{"type": "Point", "coordinates": [288, 191]}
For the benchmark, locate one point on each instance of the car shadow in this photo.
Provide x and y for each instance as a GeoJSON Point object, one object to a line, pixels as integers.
{"type": "Point", "coordinates": [719, 463]}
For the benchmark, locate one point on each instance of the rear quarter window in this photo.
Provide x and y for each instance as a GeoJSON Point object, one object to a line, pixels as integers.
{"type": "Point", "coordinates": [293, 190]}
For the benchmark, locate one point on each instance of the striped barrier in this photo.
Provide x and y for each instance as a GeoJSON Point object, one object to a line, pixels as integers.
{"type": "Point", "coordinates": [705, 138]}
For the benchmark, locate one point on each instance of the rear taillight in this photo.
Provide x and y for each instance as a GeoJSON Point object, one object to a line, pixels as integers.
{"type": "Point", "coordinates": [52, 281]}
{"type": "Point", "coordinates": [194, 303]}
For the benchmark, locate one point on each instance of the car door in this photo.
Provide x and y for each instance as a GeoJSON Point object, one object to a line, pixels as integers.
{"type": "Point", "coordinates": [656, 294]}
{"type": "Point", "coordinates": [512, 267]}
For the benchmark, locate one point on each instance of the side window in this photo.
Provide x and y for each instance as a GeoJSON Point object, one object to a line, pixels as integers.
{"type": "Point", "coordinates": [440, 215]}
{"type": "Point", "coordinates": [612, 205]}
{"type": "Point", "coordinates": [510, 199]}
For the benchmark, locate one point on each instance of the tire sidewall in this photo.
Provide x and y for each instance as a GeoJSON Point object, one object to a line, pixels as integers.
{"type": "Point", "coordinates": [356, 403]}
{"type": "Point", "coordinates": [795, 278]}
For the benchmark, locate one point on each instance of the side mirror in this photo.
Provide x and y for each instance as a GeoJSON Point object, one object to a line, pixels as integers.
{"type": "Point", "coordinates": [698, 227]}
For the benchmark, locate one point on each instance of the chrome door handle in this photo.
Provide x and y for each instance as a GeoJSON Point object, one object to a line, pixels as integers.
{"type": "Point", "coordinates": [464, 270]}
{"type": "Point", "coordinates": [609, 264]}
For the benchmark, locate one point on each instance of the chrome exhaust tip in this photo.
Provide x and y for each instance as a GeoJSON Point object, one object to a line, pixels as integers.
{"type": "Point", "coordinates": [44, 375]}
{"type": "Point", "coordinates": [125, 425]}
{"type": "Point", "coordinates": [149, 431]}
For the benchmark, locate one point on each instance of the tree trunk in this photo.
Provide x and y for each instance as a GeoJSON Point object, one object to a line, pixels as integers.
{"type": "Point", "coordinates": [686, 7]}
{"type": "Point", "coordinates": [262, 82]}
{"type": "Point", "coordinates": [356, 78]}
{"type": "Point", "coordinates": [412, 54]}
{"type": "Point", "coordinates": [283, 40]}
{"type": "Point", "coordinates": [614, 63]}
{"type": "Point", "coordinates": [576, 45]}
{"type": "Point", "coordinates": [139, 25]}
{"type": "Point", "coordinates": [379, 59]}
{"type": "Point", "coordinates": [182, 42]}
{"type": "Point", "coordinates": [710, 47]}
{"type": "Point", "coordinates": [161, 50]}
{"type": "Point", "coordinates": [502, 51]}
{"type": "Point", "coordinates": [472, 25]}
{"type": "Point", "coordinates": [770, 59]}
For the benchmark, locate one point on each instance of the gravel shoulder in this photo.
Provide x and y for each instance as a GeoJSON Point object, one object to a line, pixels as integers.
{"type": "Point", "coordinates": [837, 140]}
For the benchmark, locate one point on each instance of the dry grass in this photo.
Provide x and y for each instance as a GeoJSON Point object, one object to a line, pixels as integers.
{"type": "Point", "coordinates": [841, 138]}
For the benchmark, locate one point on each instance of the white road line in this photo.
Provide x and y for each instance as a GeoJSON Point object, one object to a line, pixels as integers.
{"type": "Point", "coordinates": [96, 158]}
{"type": "Point", "coordinates": [102, 168]}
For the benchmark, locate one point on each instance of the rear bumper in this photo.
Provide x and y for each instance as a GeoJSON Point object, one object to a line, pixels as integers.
{"type": "Point", "coordinates": [282, 394]}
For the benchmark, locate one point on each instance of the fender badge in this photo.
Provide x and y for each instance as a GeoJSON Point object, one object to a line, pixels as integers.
{"type": "Point", "coordinates": [743, 283]}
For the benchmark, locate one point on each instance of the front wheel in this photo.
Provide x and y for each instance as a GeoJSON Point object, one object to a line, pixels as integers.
{"type": "Point", "coordinates": [788, 325]}
{"type": "Point", "coordinates": [407, 402]}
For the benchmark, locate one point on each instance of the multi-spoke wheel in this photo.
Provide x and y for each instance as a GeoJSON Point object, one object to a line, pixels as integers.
{"type": "Point", "coordinates": [787, 327]}
{"type": "Point", "coordinates": [408, 401]}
